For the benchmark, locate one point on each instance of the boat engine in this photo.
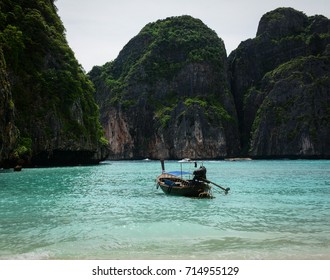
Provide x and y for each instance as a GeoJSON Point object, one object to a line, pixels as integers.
{"type": "Point", "coordinates": [200, 173]}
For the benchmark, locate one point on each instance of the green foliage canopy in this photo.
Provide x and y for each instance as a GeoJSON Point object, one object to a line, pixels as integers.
{"type": "Point", "coordinates": [48, 84]}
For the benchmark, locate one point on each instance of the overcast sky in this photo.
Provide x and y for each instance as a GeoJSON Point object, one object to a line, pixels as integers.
{"type": "Point", "coordinates": [98, 29]}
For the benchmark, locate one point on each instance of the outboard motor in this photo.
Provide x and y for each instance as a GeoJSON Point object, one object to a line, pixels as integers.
{"type": "Point", "coordinates": [200, 173]}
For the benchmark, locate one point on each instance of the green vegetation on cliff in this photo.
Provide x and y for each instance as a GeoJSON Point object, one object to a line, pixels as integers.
{"type": "Point", "coordinates": [174, 74]}
{"type": "Point", "coordinates": [160, 51]}
{"type": "Point", "coordinates": [178, 41]}
{"type": "Point", "coordinates": [294, 117]}
{"type": "Point", "coordinates": [8, 131]}
{"type": "Point", "coordinates": [170, 93]}
{"type": "Point", "coordinates": [53, 98]}
{"type": "Point", "coordinates": [280, 81]}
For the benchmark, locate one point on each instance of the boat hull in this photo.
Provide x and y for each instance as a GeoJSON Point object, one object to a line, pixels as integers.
{"type": "Point", "coordinates": [172, 185]}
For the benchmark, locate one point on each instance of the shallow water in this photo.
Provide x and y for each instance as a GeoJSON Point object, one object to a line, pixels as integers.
{"type": "Point", "coordinates": [274, 210]}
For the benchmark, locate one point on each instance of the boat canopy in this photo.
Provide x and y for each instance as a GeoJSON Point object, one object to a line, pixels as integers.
{"type": "Point", "coordinates": [178, 173]}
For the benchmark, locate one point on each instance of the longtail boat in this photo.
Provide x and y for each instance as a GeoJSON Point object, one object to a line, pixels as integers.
{"type": "Point", "coordinates": [182, 183]}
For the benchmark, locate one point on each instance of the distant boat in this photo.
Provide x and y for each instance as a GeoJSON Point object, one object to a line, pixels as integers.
{"type": "Point", "coordinates": [237, 159]}
{"type": "Point", "coordinates": [182, 183]}
{"type": "Point", "coordinates": [18, 168]}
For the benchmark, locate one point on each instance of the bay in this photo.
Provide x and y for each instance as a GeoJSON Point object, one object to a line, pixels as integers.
{"type": "Point", "coordinates": [275, 209]}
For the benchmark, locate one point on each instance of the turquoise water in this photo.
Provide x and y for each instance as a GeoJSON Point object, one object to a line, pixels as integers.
{"type": "Point", "coordinates": [274, 210]}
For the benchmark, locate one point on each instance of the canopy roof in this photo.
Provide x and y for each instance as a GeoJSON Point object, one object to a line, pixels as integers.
{"type": "Point", "coordinates": [178, 173]}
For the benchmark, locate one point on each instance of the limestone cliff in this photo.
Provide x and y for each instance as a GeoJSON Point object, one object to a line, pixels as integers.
{"type": "Point", "coordinates": [280, 81]}
{"type": "Point", "coordinates": [294, 116]}
{"type": "Point", "coordinates": [8, 131]}
{"type": "Point", "coordinates": [55, 111]}
{"type": "Point", "coordinates": [171, 93]}
{"type": "Point", "coordinates": [167, 94]}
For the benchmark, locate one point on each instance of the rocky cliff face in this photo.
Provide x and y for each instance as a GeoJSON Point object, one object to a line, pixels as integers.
{"type": "Point", "coordinates": [171, 93]}
{"type": "Point", "coordinates": [280, 81]}
{"type": "Point", "coordinates": [167, 94]}
{"type": "Point", "coordinates": [55, 111]}
{"type": "Point", "coordinates": [293, 118]}
{"type": "Point", "coordinates": [8, 131]}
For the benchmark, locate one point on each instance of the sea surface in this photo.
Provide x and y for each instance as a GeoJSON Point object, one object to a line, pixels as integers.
{"type": "Point", "coordinates": [277, 209]}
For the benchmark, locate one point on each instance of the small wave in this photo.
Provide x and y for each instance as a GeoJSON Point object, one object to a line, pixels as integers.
{"type": "Point", "coordinates": [28, 256]}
